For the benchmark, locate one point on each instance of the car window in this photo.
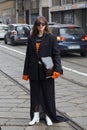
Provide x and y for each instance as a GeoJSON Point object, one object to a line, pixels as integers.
{"type": "Point", "coordinates": [54, 30]}
{"type": "Point", "coordinates": [23, 30]}
{"type": "Point", "coordinates": [19, 28]}
{"type": "Point", "coordinates": [26, 29]}
{"type": "Point", "coordinates": [70, 31]}
{"type": "Point", "coordinates": [5, 28]}
{"type": "Point", "coordinates": [11, 27]}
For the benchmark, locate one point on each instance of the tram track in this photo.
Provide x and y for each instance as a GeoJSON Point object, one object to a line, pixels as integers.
{"type": "Point", "coordinates": [74, 82]}
{"type": "Point", "coordinates": [71, 123]}
{"type": "Point", "coordinates": [63, 77]}
{"type": "Point", "coordinates": [65, 60]}
{"type": "Point", "coordinates": [85, 66]}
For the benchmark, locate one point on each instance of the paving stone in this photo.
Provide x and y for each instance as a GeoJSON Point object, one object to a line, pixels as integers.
{"type": "Point", "coordinates": [59, 128]}
{"type": "Point", "coordinates": [14, 115]}
{"type": "Point", "coordinates": [69, 109]}
{"type": "Point", "coordinates": [3, 121]}
{"type": "Point", "coordinates": [12, 100]}
{"type": "Point", "coordinates": [35, 128]}
{"type": "Point", "coordinates": [21, 109]}
{"type": "Point", "coordinates": [4, 109]}
{"type": "Point", "coordinates": [77, 113]}
{"type": "Point", "coordinates": [12, 128]}
{"type": "Point", "coordinates": [15, 106]}
{"type": "Point", "coordinates": [7, 97]}
{"type": "Point", "coordinates": [9, 104]}
{"type": "Point", "coordinates": [5, 93]}
{"type": "Point", "coordinates": [79, 100]}
{"type": "Point", "coordinates": [17, 122]}
{"type": "Point", "coordinates": [82, 121]}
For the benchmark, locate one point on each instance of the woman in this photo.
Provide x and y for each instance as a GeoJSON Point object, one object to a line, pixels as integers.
{"type": "Point", "coordinates": [42, 43]}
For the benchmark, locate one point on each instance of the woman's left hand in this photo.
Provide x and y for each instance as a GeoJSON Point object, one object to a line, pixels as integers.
{"type": "Point", "coordinates": [55, 75]}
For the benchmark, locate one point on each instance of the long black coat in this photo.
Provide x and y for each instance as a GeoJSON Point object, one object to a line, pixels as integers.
{"type": "Point", "coordinates": [48, 47]}
{"type": "Point", "coordinates": [42, 91]}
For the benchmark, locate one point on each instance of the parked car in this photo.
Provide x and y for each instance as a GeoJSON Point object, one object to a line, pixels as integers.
{"type": "Point", "coordinates": [52, 23]}
{"type": "Point", "coordinates": [3, 30]}
{"type": "Point", "coordinates": [17, 34]}
{"type": "Point", "coordinates": [31, 26]}
{"type": "Point", "coordinates": [71, 38]}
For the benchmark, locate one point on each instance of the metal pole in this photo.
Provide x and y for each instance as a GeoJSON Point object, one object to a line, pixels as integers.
{"type": "Point", "coordinates": [50, 3]}
{"type": "Point", "coordinates": [40, 7]}
{"type": "Point", "coordinates": [24, 12]}
{"type": "Point", "coordinates": [16, 11]}
{"type": "Point", "coordinates": [30, 12]}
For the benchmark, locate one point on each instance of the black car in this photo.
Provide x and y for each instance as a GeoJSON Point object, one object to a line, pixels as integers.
{"type": "Point", "coordinates": [17, 34]}
{"type": "Point", "coordinates": [71, 38]}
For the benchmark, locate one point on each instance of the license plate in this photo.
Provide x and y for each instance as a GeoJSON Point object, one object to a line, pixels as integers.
{"type": "Point", "coordinates": [74, 47]}
{"type": "Point", "coordinates": [23, 38]}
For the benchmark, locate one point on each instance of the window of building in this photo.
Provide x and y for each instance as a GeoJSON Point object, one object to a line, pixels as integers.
{"type": "Point", "coordinates": [55, 2]}
{"type": "Point", "coordinates": [66, 2]}
{"type": "Point", "coordinates": [76, 1]}
{"type": "Point", "coordinates": [56, 17]}
{"type": "Point", "coordinates": [67, 17]}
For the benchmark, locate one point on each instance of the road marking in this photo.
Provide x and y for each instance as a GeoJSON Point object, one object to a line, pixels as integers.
{"type": "Point", "coordinates": [75, 71]}
{"type": "Point", "coordinates": [69, 69]}
{"type": "Point", "coordinates": [12, 49]}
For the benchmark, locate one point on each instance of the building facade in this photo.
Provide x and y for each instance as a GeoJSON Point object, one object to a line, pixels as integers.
{"type": "Point", "coordinates": [60, 11]}
{"type": "Point", "coordinates": [12, 11]}
{"type": "Point", "coordinates": [70, 11]}
{"type": "Point", "coordinates": [34, 8]}
{"type": "Point", "coordinates": [7, 11]}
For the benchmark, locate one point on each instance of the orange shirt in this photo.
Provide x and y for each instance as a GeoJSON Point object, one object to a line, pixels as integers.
{"type": "Point", "coordinates": [37, 46]}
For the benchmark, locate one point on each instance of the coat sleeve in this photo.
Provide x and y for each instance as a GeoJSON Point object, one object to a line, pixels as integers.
{"type": "Point", "coordinates": [26, 62]}
{"type": "Point", "coordinates": [56, 56]}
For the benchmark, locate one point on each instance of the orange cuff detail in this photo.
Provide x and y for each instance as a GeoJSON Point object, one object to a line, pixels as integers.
{"type": "Point", "coordinates": [55, 75]}
{"type": "Point", "coordinates": [25, 77]}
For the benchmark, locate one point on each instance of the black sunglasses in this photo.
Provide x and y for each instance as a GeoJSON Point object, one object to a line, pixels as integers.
{"type": "Point", "coordinates": [39, 24]}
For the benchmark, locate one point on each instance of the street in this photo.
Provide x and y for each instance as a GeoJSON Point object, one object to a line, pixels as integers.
{"type": "Point", "coordinates": [71, 88]}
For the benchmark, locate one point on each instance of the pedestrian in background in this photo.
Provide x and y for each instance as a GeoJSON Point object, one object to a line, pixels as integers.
{"type": "Point", "coordinates": [41, 44]}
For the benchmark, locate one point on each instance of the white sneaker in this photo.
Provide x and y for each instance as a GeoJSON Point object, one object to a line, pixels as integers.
{"type": "Point", "coordinates": [48, 121]}
{"type": "Point", "coordinates": [35, 119]}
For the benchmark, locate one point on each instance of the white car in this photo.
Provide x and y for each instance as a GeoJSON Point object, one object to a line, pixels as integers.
{"type": "Point", "coordinates": [3, 30]}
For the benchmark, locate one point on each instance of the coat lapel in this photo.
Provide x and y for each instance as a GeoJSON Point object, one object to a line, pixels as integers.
{"type": "Point", "coordinates": [33, 39]}
{"type": "Point", "coordinates": [43, 40]}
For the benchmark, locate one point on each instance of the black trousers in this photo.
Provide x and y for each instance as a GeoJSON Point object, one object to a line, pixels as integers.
{"type": "Point", "coordinates": [43, 93]}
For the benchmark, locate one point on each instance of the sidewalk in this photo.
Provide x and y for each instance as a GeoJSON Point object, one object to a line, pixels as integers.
{"type": "Point", "coordinates": [14, 106]}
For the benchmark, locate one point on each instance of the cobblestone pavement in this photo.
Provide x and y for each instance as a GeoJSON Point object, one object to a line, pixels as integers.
{"type": "Point", "coordinates": [14, 105]}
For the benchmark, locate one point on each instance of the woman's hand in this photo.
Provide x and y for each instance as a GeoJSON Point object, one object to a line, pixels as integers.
{"type": "Point", "coordinates": [55, 75]}
{"type": "Point", "coordinates": [25, 77]}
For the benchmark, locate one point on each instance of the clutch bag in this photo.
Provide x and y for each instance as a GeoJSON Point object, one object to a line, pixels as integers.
{"type": "Point", "coordinates": [47, 62]}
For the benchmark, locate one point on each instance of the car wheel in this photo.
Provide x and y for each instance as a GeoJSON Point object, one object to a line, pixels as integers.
{"type": "Point", "coordinates": [12, 42]}
{"type": "Point", "coordinates": [83, 54]}
{"type": "Point", "coordinates": [5, 40]}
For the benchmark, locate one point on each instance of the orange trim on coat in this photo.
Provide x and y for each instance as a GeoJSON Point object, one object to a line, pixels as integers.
{"type": "Point", "coordinates": [25, 77]}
